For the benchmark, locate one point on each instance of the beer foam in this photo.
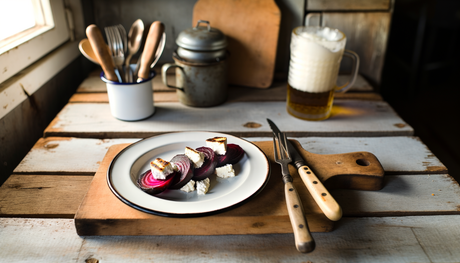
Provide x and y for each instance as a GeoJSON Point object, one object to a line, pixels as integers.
{"type": "Point", "coordinates": [316, 53]}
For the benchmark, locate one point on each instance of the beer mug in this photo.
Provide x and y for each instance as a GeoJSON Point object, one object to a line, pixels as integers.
{"type": "Point", "coordinates": [316, 53]}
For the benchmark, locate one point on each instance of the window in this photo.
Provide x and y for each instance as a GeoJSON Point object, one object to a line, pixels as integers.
{"type": "Point", "coordinates": [15, 17]}
{"type": "Point", "coordinates": [41, 27]}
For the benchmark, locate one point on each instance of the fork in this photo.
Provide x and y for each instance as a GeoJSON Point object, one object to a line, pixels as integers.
{"type": "Point", "coordinates": [115, 43]}
{"type": "Point", "coordinates": [303, 240]}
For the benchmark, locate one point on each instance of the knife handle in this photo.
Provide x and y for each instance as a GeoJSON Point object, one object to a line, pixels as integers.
{"type": "Point", "coordinates": [323, 198]}
{"type": "Point", "coordinates": [303, 240]}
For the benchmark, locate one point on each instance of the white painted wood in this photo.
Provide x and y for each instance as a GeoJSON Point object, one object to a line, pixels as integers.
{"type": "Point", "coordinates": [353, 118]}
{"type": "Point", "coordinates": [13, 91]}
{"type": "Point", "coordinates": [38, 240]}
{"type": "Point", "coordinates": [67, 156]}
{"type": "Point", "coordinates": [396, 154]}
{"type": "Point", "coordinates": [412, 194]}
{"type": "Point", "coordinates": [404, 155]}
{"type": "Point", "coordinates": [388, 239]}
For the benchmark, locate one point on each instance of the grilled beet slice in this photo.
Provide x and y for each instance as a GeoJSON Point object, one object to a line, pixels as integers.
{"type": "Point", "coordinates": [208, 166]}
{"type": "Point", "coordinates": [233, 155]}
{"type": "Point", "coordinates": [185, 167]}
{"type": "Point", "coordinates": [153, 186]}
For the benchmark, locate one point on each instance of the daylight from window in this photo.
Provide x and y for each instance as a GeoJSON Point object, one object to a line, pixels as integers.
{"type": "Point", "coordinates": [15, 17]}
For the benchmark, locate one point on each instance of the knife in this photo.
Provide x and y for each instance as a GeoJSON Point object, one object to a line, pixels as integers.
{"type": "Point", "coordinates": [322, 197]}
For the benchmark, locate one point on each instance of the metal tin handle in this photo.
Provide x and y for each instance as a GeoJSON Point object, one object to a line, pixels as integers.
{"type": "Point", "coordinates": [164, 70]}
{"type": "Point", "coordinates": [203, 21]}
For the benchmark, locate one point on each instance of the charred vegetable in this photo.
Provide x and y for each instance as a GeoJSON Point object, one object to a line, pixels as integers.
{"type": "Point", "coordinates": [154, 186]}
{"type": "Point", "coordinates": [233, 155]}
{"type": "Point", "coordinates": [208, 166]}
{"type": "Point", "coordinates": [185, 170]}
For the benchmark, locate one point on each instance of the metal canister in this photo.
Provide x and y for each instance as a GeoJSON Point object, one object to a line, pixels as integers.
{"type": "Point", "coordinates": [201, 66]}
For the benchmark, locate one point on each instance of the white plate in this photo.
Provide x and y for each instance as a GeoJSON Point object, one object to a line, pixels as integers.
{"type": "Point", "coordinates": [252, 173]}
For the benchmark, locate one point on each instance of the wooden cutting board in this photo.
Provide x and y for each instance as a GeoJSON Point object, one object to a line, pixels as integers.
{"type": "Point", "coordinates": [252, 29]}
{"type": "Point", "coordinates": [101, 213]}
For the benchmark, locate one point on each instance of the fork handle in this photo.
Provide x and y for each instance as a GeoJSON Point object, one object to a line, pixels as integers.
{"type": "Point", "coordinates": [304, 242]}
{"type": "Point", "coordinates": [323, 198]}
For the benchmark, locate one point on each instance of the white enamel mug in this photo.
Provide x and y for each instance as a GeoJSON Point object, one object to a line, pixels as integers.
{"type": "Point", "coordinates": [131, 101]}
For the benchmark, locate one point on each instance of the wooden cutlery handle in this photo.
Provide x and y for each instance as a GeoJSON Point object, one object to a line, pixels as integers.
{"type": "Point", "coordinates": [151, 45]}
{"type": "Point", "coordinates": [100, 49]}
{"type": "Point", "coordinates": [323, 198]}
{"type": "Point", "coordinates": [303, 240]}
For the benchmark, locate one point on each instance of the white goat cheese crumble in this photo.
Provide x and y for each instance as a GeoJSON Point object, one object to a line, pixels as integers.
{"type": "Point", "coordinates": [202, 186]}
{"type": "Point", "coordinates": [189, 187]}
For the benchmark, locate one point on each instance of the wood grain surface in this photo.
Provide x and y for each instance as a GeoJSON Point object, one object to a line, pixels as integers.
{"type": "Point", "coordinates": [369, 239]}
{"type": "Point", "coordinates": [252, 29]}
{"type": "Point", "coordinates": [351, 118]}
{"type": "Point", "coordinates": [101, 213]}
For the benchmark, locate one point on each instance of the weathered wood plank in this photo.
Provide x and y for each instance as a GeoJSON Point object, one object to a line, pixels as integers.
{"type": "Point", "coordinates": [404, 155]}
{"type": "Point", "coordinates": [398, 155]}
{"type": "Point", "coordinates": [94, 90]}
{"type": "Point", "coordinates": [350, 118]}
{"type": "Point", "coordinates": [94, 84]}
{"type": "Point", "coordinates": [389, 239]}
{"type": "Point", "coordinates": [348, 5]}
{"type": "Point", "coordinates": [54, 155]}
{"type": "Point", "coordinates": [404, 195]}
{"type": "Point", "coordinates": [369, 39]}
{"type": "Point", "coordinates": [236, 95]}
{"type": "Point", "coordinates": [42, 195]}
{"type": "Point", "coordinates": [60, 196]}
{"type": "Point", "coordinates": [39, 240]}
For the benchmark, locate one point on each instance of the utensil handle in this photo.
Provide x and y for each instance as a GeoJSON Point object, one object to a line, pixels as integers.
{"type": "Point", "coordinates": [304, 242]}
{"type": "Point", "coordinates": [323, 198]}
{"type": "Point", "coordinates": [100, 49]}
{"type": "Point", "coordinates": [151, 44]}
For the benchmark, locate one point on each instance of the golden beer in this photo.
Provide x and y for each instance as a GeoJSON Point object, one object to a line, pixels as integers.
{"type": "Point", "coordinates": [316, 53]}
{"type": "Point", "coordinates": [308, 105]}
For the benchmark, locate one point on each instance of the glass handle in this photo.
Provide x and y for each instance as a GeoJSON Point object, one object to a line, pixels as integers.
{"type": "Point", "coordinates": [354, 71]}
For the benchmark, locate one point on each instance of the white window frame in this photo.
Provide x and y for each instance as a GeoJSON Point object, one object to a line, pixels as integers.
{"type": "Point", "coordinates": [52, 32]}
{"type": "Point", "coordinates": [56, 53]}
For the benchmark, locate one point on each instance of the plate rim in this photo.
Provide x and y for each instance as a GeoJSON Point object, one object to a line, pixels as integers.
{"type": "Point", "coordinates": [186, 214]}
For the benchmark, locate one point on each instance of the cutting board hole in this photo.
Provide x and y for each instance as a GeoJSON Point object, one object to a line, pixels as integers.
{"type": "Point", "coordinates": [363, 162]}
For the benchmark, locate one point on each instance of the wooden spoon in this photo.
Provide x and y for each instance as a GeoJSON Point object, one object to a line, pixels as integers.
{"type": "Point", "coordinates": [87, 50]}
{"type": "Point", "coordinates": [102, 54]}
{"type": "Point", "coordinates": [151, 45]}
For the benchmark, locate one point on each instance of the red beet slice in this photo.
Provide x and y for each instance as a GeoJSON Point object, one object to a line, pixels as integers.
{"type": "Point", "coordinates": [208, 166]}
{"type": "Point", "coordinates": [233, 155]}
{"type": "Point", "coordinates": [154, 186]}
{"type": "Point", "coordinates": [185, 168]}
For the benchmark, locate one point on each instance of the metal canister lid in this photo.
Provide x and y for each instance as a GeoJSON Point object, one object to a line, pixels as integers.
{"type": "Point", "coordinates": [202, 38]}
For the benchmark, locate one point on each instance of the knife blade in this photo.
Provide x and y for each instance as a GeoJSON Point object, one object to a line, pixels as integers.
{"type": "Point", "coordinates": [318, 191]}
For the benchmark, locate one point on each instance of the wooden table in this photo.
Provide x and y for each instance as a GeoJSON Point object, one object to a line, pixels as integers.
{"type": "Point", "coordinates": [414, 218]}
